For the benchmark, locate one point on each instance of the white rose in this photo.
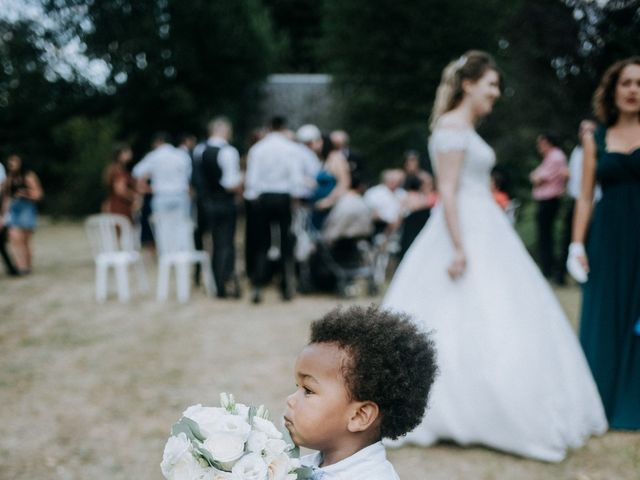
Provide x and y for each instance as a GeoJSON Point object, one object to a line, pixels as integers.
{"type": "Point", "coordinates": [225, 449]}
{"type": "Point", "coordinates": [279, 467]}
{"type": "Point", "coordinates": [257, 441]}
{"type": "Point", "coordinates": [275, 447]}
{"type": "Point", "coordinates": [205, 417]}
{"type": "Point", "coordinates": [267, 427]}
{"type": "Point", "coordinates": [230, 425]}
{"type": "Point", "coordinates": [250, 467]}
{"type": "Point", "coordinates": [178, 463]}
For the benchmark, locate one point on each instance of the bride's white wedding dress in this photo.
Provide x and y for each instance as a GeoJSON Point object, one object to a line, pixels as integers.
{"type": "Point", "coordinates": [512, 373]}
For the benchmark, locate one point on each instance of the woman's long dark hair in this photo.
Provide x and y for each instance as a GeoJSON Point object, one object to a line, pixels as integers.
{"type": "Point", "coordinates": [604, 98]}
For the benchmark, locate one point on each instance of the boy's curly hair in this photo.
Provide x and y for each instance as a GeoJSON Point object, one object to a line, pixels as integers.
{"type": "Point", "coordinates": [392, 363]}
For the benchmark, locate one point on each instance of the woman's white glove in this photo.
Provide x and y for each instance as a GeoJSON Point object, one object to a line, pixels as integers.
{"type": "Point", "coordinates": [577, 265]}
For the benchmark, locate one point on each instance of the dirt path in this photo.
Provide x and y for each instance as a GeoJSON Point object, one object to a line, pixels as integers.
{"type": "Point", "coordinates": [90, 391]}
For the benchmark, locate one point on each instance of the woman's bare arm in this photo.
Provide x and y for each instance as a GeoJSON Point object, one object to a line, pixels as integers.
{"type": "Point", "coordinates": [449, 166]}
{"type": "Point", "coordinates": [584, 204]}
{"type": "Point", "coordinates": [339, 167]}
{"type": "Point", "coordinates": [34, 189]}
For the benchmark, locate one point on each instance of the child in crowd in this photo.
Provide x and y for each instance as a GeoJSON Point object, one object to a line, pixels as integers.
{"type": "Point", "coordinates": [364, 376]}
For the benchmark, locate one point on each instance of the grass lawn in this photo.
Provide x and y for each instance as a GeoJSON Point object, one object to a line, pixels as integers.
{"type": "Point", "coordinates": [90, 391]}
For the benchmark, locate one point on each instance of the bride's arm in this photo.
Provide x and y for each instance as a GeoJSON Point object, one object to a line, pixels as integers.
{"type": "Point", "coordinates": [584, 204]}
{"type": "Point", "coordinates": [449, 165]}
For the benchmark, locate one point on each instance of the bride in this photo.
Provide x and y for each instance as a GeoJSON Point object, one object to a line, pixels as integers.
{"type": "Point", "coordinates": [512, 374]}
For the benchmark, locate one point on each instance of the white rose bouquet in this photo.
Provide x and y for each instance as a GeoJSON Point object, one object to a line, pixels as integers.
{"type": "Point", "coordinates": [231, 442]}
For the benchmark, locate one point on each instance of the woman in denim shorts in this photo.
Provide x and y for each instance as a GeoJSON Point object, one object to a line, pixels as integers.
{"type": "Point", "coordinates": [22, 191]}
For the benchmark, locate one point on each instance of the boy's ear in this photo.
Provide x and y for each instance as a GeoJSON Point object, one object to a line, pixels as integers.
{"type": "Point", "coordinates": [364, 415]}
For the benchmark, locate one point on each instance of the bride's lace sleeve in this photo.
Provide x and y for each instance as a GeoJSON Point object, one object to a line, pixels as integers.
{"type": "Point", "coordinates": [445, 140]}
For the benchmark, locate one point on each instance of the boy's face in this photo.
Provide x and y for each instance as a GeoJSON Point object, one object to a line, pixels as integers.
{"type": "Point", "coordinates": [318, 412]}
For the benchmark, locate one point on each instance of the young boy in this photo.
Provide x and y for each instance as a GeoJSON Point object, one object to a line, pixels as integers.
{"type": "Point", "coordinates": [365, 375]}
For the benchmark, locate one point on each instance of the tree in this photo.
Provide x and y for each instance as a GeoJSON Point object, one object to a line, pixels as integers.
{"type": "Point", "coordinates": [386, 57]}
{"type": "Point", "coordinates": [298, 23]}
{"type": "Point", "coordinates": [174, 64]}
{"type": "Point", "coordinates": [33, 98]}
{"type": "Point", "coordinates": [167, 65]}
{"type": "Point", "coordinates": [556, 53]}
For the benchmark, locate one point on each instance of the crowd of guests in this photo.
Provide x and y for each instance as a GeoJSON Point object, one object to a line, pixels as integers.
{"type": "Point", "coordinates": [284, 175]}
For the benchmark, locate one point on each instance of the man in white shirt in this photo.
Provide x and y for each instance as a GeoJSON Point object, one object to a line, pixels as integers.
{"type": "Point", "coordinates": [217, 179]}
{"type": "Point", "coordinates": [385, 200]}
{"type": "Point", "coordinates": [275, 177]}
{"type": "Point", "coordinates": [169, 170]}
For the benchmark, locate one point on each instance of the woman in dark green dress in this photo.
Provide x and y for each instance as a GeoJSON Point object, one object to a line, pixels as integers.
{"type": "Point", "coordinates": [611, 296]}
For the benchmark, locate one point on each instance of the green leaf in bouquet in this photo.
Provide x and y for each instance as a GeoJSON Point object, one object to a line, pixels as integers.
{"type": "Point", "coordinates": [294, 452]}
{"type": "Point", "coordinates": [189, 428]}
{"type": "Point", "coordinates": [263, 412]}
{"type": "Point", "coordinates": [228, 402]}
{"type": "Point", "coordinates": [252, 413]}
{"type": "Point", "coordinates": [206, 455]}
{"type": "Point", "coordinates": [304, 473]}
{"type": "Point", "coordinates": [192, 431]}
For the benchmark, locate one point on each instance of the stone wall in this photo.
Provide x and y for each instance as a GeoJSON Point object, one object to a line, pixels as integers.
{"type": "Point", "coordinates": [301, 98]}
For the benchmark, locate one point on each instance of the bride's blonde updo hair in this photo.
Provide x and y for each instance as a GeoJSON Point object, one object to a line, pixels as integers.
{"type": "Point", "coordinates": [470, 66]}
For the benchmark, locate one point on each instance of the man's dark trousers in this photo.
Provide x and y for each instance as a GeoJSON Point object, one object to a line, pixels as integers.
{"type": "Point", "coordinates": [275, 208]}
{"type": "Point", "coordinates": [220, 215]}
{"type": "Point", "coordinates": [547, 213]}
{"type": "Point", "coordinates": [11, 269]}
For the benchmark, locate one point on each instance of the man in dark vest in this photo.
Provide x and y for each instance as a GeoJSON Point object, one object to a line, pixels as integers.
{"type": "Point", "coordinates": [216, 180]}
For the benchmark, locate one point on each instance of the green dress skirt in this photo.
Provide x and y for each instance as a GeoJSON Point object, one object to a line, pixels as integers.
{"type": "Point", "coordinates": [611, 296]}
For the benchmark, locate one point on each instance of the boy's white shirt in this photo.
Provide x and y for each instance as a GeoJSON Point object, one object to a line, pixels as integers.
{"type": "Point", "coordinates": [370, 463]}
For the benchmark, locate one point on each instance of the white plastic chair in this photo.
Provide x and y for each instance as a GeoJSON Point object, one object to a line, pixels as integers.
{"type": "Point", "coordinates": [174, 241]}
{"type": "Point", "coordinates": [113, 245]}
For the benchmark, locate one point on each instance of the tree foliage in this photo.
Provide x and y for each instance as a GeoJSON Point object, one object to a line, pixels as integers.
{"type": "Point", "coordinates": [170, 66]}
{"type": "Point", "coordinates": [557, 52]}
{"type": "Point", "coordinates": [32, 98]}
{"type": "Point", "coordinates": [386, 57]}
{"type": "Point", "coordinates": [174, 64]}
{"type": "Point", "coordinates": [165, 64]}
{"type": "Point", "coordinates": [88, 143]}
{"type": "Point", "coordinates": [298, 23]}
